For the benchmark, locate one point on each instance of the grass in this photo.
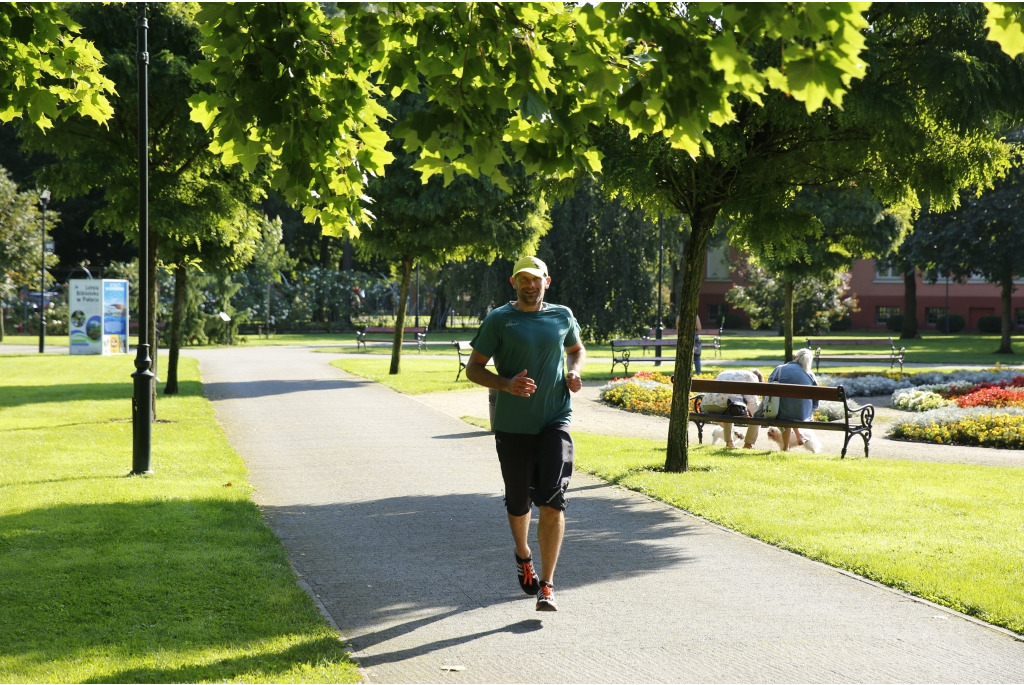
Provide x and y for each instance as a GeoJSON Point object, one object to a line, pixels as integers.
{"type": "Point", "coordinates": [172, 577]}
{"type": "Point", "coordinates": [949, 533]}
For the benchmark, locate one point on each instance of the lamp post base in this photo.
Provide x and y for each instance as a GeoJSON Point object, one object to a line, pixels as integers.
{"type": "Point", "coordinates": [142, 412]}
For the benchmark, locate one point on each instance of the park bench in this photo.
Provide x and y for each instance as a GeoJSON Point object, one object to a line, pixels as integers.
{"type": "Point", "coordinates": [856, 421]}
{"type": "Point", "coordinates": [893, 356]}
{"type": "Point", "coordinates": [621, 352]}
{"type": "Point", "coordinates": [708, 336]}
{"type": "Point", "coordinates": [387, 334]}
{"type": "Point", "coordinates": [465, 349]}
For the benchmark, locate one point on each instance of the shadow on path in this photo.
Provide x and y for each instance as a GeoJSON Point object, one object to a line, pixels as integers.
{"type": "Point", "coordinates": [245, 389]}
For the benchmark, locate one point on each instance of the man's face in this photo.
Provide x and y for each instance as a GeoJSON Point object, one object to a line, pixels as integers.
{"type": "Point", "coordinates": [530, 288]}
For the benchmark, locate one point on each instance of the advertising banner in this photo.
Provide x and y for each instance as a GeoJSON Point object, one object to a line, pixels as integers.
{"type": "Point", "coordinates": [98, 316]}
{"type": "Point", "coordinates": [85, 304]}
{"type": "Point", "coordinates": [115, 317]}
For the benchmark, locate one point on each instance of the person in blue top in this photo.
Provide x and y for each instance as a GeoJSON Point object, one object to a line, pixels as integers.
{"type": "Point", "coordinates": [530, 341]}
{"type": "Point", "coordinates": [796, 372]}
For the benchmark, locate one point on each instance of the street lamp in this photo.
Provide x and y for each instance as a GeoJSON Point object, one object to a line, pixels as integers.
{"type": "Point", "coordinates": [44, 199]}
{"type": "Point", "coordinates": [142, 400]}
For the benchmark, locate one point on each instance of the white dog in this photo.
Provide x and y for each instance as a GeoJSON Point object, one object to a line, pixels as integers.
{"type": "Point", "coordinates": [718, 435]}
{"type": "Point", "coordinates": [810, 440]}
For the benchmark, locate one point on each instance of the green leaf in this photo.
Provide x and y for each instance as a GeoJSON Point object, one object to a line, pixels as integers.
{"type": "Point", "coordinates": [1004, 26]}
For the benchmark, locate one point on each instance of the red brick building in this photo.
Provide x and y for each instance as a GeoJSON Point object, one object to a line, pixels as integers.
{"type": "Point", "coordinates": [880, 295]}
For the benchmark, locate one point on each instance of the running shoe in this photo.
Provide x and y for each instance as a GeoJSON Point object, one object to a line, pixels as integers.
{"type": "Point", "coordinates": [527, 576]}
{"type": "Point", "coordinates": [546, 598]}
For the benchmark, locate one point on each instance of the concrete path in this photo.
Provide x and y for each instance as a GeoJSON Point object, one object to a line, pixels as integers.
{"type": "Point", "coordinates": [391, 511]}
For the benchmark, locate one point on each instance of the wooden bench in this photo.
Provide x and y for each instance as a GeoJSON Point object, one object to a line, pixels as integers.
{"type": "Point", "coordinates": [893, 356]}
{"type": "Point", "coordinates": [862, 417]}
{"type": "Point", "coordinates": [465, 349]}
{"type": "Point", "coordinates": [387, 334]}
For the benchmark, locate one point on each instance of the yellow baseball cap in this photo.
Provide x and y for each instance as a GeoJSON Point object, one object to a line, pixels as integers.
{"type": "Point", "coordinates": [530, 265]}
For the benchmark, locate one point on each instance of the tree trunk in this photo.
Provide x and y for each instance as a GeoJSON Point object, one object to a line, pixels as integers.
{"type": "Point", "coordinates": [346, 255]}
{"type": "Point", "coordinates": [439, 309]}
{"type": "Point", "coordinates": [909, 331]}
{"type": "Point", "coordinates": [3, 315]}
{"type": "Point", "coordinates": [677, 454]}
{"type": "Point", "coordinates": [151, 324]}
{"type": "Point", "coordinates": [396, 347]}
{"type": "Point", "coordinates": [177, 311]}
{"type": "Point", "coordinates": [787, 317]}
{"type": "Point", "coordinates": [1005, 345]}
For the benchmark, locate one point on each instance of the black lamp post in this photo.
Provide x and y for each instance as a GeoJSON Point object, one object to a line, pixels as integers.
{"type": "Point", "coordinates": [661, 253]}
{"type": "Point", "coordinates": [142, 400]}
{"type": "Point", "coordinates": [44, 199]}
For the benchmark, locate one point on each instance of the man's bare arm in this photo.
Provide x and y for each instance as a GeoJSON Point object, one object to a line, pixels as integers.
{"type": "Point", "coordinates": [477, 372]}
{"type": "Point", "coordinates": [576, 358]}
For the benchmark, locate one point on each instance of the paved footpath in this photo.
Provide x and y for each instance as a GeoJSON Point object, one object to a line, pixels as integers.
{"type": "Point", "coordinates": [391, 511]}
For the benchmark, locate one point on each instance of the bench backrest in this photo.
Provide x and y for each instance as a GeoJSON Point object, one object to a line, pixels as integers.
{"type": "Point", "coordinates": [644, 342]}
{"type": "Point", "coordinates": [391, 329]}
{"type": "Point", "coordinates": [463, 345]}
{"type": "Point", "coordinates": [802, 392]}
{"type": "Point", "coordinates": [665, 332]}
{"type": "Point", "coordinates": [811, 342]}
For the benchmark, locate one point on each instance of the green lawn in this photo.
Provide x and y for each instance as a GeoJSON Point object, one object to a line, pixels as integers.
{"type": "Point", "coordinates": [172, 577]}
{"type": "Point", "coordinates": [950, 533]}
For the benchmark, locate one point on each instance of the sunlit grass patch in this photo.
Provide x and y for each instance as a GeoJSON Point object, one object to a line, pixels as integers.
{"type": "Point", "coordinates": [172, 577]}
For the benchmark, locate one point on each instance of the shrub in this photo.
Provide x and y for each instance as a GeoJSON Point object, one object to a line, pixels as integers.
{"type": "Point", "coordinates": [895, 323]}
{"type": "Point", "coordinates": [990, 324]}
{"type": "Point", "coordinates": [829, 411]}
{"type": "Point", "coordinates": [987, 430]}
{"type": "Point", "coordinates": [732, 320]}
{"type": "Point", "coordinates": [914, 399]}
{"type": "Point", "coordinates": [843, 324]}
{"type": "Point", "coordinates": [956, 323]}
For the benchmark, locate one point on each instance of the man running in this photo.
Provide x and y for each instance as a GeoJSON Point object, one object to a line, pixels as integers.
{"type": "Point", "coordinates": [529, 340]}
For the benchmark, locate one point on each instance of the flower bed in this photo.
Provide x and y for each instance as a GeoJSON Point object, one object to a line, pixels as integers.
{"type": "Point", "coordinates": [965, 393]}
{"type": "Point", "coordinates": [870, 385]}
{"type": "Point", "coordinates": [974, 426]}
{"type": "Point", "coordinates": [993, 397]}
{"type": "Point", "coordinates": [915, 399]}
{"type": "Point", "coordinates": [647, 392]}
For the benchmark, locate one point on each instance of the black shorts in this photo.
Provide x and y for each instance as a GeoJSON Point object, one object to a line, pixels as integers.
{"type": "Point", "coordinates": [535, 468]}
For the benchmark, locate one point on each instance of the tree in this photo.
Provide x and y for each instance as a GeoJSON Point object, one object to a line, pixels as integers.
{"type": "Point", "coordinates": [604, 257]}
{"type": "Point", "coordinates": [910, 135]}
{"type": "Point", "coordinates": [195, 202]}
{"type": "Point", "coordinates": [982, 237]}
{"type": "Point", "coordinates": [846, 223]}
{"type": "Point", "coordinates": [434, 223]}
{"type": "Point", "coordinates": [818, 301]}
{"type": "Point", "coordinates": [20, 236]}
{"type": "Point", "coordinates": [686, 79]}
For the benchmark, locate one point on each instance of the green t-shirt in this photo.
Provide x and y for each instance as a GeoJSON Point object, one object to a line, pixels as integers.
{"type": "Point", "coordinates": [536, 342]}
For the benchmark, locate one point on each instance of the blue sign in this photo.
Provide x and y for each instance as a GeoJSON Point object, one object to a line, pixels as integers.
{"type": "Point", "coordinates": [115, 308]}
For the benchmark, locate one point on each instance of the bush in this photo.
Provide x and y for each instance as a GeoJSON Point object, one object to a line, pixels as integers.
{"type": "Point", "coordinates": [956, 323]}
{"type": "Point", "coordinates": [732, 320]}
{"type": "Point", "coordinates": [895, 323]}
{"type": "Point", "coordinates": [843, 324]}
{"type": "Point", "coordinates": [912, 399]}
{"type": "Point", "coordinates": [990, 324]}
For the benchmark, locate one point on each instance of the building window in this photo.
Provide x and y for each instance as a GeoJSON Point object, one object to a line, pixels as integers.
{"type": "Point", "coordinates": [882, 314]}
{"type": "Point", "coordinates": [976, 279]}
{"type": "Point", "coordinates": [716, 312]}
{"type": "Point", "coordinates": [718, 264]}
{"type": "Point", "coordinates": [889, 275]}
{"type": "Point", "coordinates": [932, 314]}
{"type": "Point", "coordinates": [1020, 317]}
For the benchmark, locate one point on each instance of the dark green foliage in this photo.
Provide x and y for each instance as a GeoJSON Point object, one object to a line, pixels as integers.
{"type": "Point", "coordinates": [603, 260]}
{"type": "Point", "coordinates": [956, 323]}
{"type": "Point", "coordinates": [732, 320]}
{"type": "Point", "coordinates": [990, 324]}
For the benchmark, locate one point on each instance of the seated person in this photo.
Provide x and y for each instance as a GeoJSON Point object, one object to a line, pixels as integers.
{"type": "Point", "coordinates": [718, 403]}
{"type": "Point", "coordinates": [796, 372]}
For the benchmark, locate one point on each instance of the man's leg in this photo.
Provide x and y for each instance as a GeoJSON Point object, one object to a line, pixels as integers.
{"type": "Point", "coordinates": [550, 531]}
{"type": "Point", "coordinates": [521, 532]}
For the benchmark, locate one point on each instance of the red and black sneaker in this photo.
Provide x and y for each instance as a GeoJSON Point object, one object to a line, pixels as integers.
{"type": "Point", "coordinates": [546, 597]}
{"type": "Point", "coordinates": [527, 577]}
